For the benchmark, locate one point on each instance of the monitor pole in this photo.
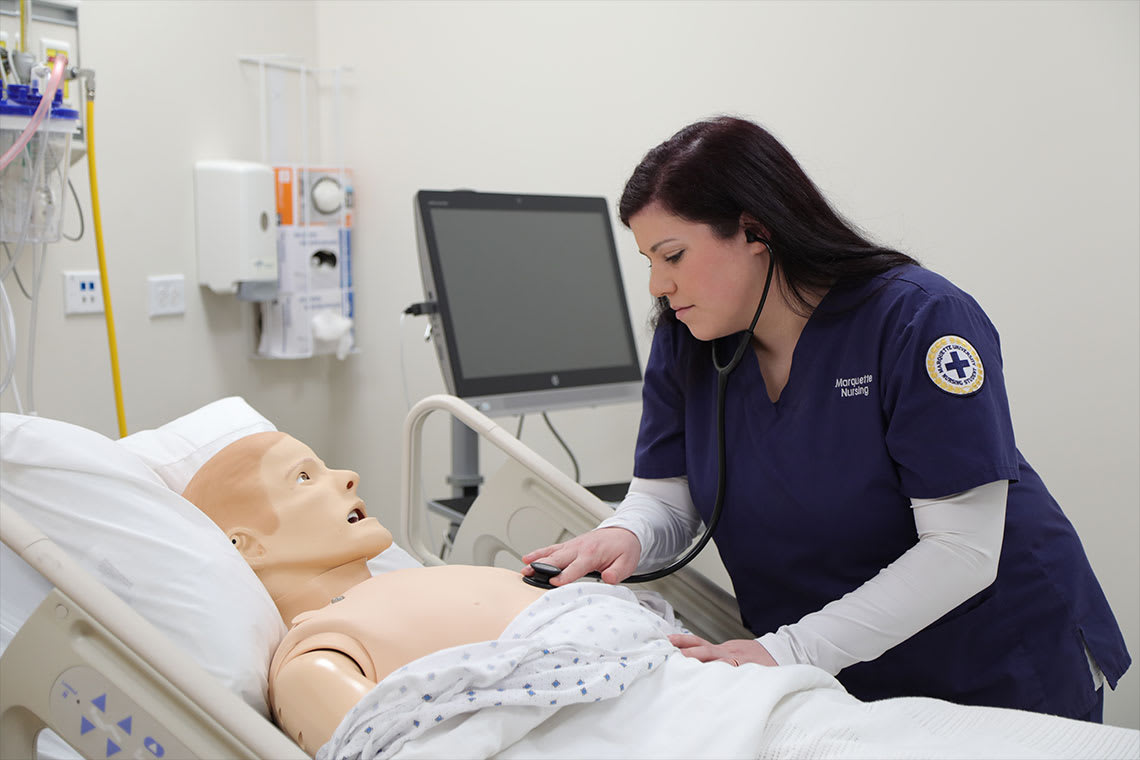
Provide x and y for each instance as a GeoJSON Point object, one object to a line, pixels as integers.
{"type": "Point", "coordinates": [464, 478]}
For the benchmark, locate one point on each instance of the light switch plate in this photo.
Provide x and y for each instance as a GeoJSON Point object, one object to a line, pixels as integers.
{"type": "Point", "coordinates": [167, 294]}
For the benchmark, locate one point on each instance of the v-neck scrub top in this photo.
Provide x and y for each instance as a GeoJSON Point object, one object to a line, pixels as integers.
{"type": "Point", "coordinates": [895, 392]}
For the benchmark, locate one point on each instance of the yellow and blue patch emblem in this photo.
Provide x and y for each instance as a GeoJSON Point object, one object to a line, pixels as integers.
{"type": "Point", "coordinates": [955, 366]}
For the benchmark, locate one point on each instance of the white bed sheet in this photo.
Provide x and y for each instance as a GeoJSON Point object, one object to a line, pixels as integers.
{"type": "Point", "coordinates": [446, 705]}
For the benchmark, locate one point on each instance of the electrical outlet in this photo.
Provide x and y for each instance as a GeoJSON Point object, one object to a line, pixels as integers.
{"type": "Point", "coordinates": [167, 294]}
{"type": "Point", "coordinates": [82, 293]}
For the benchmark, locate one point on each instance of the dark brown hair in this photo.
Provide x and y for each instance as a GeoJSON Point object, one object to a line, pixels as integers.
{"type": "Point", "coordinates": [717, 170]}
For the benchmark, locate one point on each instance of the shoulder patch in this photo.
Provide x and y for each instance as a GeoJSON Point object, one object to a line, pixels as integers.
{"type": "Point", "coordinates": [954, 365]}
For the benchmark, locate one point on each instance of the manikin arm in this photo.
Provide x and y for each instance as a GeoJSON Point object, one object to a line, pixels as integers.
{"type": "Point", "coordinates": [313, 692]}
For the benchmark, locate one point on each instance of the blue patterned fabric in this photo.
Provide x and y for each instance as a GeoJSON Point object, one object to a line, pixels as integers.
{"type": "Point", "coordinates": [585, 642]}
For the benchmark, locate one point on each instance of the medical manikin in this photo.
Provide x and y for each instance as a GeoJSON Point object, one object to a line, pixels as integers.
{"type": "Point", "coordinates": [305, 532]}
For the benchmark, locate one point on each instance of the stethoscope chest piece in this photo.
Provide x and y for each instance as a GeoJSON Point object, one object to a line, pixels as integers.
{"type": "Point", "coordinates": [542, 575]}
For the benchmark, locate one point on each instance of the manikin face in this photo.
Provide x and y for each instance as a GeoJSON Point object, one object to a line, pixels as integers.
{"type": "Point", "coordinates": [323, 523]}
{"type": "Point", "coordinates": [713, 284]}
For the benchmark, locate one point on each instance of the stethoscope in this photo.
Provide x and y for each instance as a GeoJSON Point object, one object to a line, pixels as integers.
{"type": "Point", "coordinates": [543, 572]}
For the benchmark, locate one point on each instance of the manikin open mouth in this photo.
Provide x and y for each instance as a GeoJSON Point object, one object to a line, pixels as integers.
{"type": "Point", "coordinates": [356, 515]}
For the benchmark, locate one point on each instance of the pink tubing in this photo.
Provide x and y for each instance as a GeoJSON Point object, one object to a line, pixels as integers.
{"type": "Point", "coordinates": [41, 112]}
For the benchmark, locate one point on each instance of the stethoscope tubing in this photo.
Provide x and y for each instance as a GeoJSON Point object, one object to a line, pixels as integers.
{"type": "Point", "coordinates": [544, 572]}
{"type": "Point", "coordinates": [722, 469]}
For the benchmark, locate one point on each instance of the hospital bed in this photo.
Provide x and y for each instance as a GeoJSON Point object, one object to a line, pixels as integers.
{"type": "Point", "coordinates": [150, 637]}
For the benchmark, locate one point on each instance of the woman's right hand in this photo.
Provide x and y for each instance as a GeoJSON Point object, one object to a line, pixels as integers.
{"type": "Point", "coordinates": [614, 552]}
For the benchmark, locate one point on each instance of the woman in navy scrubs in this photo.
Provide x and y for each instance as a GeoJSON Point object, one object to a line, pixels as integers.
{"type": "Point", "coordinates": [879, 521]}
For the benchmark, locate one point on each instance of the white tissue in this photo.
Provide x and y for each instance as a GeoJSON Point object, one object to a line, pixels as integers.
{"type": "Point", "coordinates": [330, 326]}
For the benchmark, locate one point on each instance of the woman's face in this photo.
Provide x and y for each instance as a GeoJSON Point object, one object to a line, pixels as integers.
{"type": "Point", "coordinates": [713, 284]}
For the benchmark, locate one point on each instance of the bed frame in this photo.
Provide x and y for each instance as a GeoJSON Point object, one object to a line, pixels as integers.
{"type": "Point", "coordinates": [94, 671]}
{"type": "Point", "coordinates": [530, 503]}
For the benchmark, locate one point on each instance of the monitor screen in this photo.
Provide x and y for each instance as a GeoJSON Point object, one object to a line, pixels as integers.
{"type": "Point", "coordinates": [531, 312]}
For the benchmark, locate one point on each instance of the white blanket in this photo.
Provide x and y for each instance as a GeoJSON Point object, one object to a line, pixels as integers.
{"type": "Point", "coordinates": [549, 688]}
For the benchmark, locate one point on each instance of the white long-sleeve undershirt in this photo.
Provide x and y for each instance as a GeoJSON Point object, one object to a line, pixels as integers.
{"type": "Point", "coordinates": [956, 556]}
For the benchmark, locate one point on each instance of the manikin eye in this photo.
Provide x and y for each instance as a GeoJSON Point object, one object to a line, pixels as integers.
{"type": "Point", "coordinates": [302, 477]}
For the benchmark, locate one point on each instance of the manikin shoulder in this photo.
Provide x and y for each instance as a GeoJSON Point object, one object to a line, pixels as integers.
{"type": "Point", "coordinates": [389, 620]}
{"type": "Point", "coordinates": [334, 655]}
{"type": "Point", "coordinates": [334, 677]}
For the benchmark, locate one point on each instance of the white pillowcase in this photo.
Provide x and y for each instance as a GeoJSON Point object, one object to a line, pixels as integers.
{"type": "Point", "coordinates": [115, 507]}
{"type": "Point", "coordinates": [155, 550]}
{"type": "Point", "coordinates": [179, 448]}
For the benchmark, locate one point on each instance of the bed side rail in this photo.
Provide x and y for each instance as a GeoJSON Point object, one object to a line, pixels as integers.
{"type": "Point", "coordinates": [530, 503]}
{"type": "Point", "coordinates": [413, 529]}
{"type": "Point", "coordinates": [102, 677]}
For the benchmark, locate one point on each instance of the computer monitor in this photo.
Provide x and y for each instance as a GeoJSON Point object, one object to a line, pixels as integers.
{"type": "Point", "coordinates": [530, 311]}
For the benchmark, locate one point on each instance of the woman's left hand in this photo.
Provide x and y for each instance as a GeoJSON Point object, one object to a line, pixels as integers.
{"type": "Point", "coordinates": [733, 651]}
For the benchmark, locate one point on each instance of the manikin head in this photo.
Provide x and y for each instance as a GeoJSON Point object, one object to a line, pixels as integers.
{"type": "Point", "coordinates": [292, 518]}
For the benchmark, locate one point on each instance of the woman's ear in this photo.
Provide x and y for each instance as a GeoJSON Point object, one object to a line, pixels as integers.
{"type": "Point", "coordinates": [248, 545]}
{"type": "Point", "coordinates": [754, 231]}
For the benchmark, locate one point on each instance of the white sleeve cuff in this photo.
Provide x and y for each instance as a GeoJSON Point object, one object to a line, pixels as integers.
{"type": "Point", "coordinates": [779, 647]}
{"type": "Point", "coordinates": [660, 513]}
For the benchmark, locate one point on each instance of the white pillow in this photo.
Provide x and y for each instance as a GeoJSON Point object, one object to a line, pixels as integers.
{"type": "Point", "coordinates": [66, 480]}
{"type": "Point", "coordinates": [179, 448]}
{"type": "Point", "coordinates": [392, 558]}
{"type": "Point", "coordinates": [106, 508]}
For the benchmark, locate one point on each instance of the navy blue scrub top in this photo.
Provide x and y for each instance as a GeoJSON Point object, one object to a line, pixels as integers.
{"type": "Point", "coordinates": [895, 392]}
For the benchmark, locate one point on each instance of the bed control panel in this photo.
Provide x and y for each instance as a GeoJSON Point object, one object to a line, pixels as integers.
{"type": "Point", "coordinates": [98, 720]}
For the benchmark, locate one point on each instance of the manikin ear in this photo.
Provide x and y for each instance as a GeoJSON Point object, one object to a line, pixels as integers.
{"type": "Point", "coordinates": [249, 545]}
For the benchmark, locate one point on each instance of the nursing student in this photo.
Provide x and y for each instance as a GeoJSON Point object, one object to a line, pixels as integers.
{"type": "Point", "coordinates": [879, 521]}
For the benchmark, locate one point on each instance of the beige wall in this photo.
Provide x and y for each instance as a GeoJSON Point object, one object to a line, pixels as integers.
{"type": "Point", "coordinates": [994, 141]}
{"type": "Point", "coordinates": [169, 91]}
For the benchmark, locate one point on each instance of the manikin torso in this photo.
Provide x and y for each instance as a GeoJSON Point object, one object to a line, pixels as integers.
{"type": "Point", "coordinates": [390, 620]}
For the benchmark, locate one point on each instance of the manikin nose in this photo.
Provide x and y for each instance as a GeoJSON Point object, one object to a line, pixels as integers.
{"type": "Point", "coordinates": [353, 480]}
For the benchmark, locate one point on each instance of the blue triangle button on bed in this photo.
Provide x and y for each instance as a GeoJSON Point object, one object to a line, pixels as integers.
{"type": "Point", "coordinates": [112, 748]}
{"type": "Point", "coordinates": [85, 725]}
{"type": "Point", "coordinates": [100, 702]}
{"type": "Point", "coordinates": [125, 724]}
